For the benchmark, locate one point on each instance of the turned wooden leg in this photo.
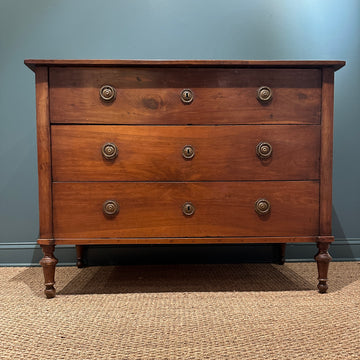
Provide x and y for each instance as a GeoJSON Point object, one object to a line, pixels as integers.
{"type": "Point", "coordinates": [48, 263]}
{"type": "Point", "coordinates": [323, 259]}
{"type": "Point", "coordinates": [282, 249]}
{"type": "Point", "coordinates": [80, 256]}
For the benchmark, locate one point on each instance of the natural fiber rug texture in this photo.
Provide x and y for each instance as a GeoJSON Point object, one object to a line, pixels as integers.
{"type": "Point", "coordinates": [188, 312]}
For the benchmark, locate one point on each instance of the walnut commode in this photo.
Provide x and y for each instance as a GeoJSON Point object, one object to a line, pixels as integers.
{"type": "Point", "coordinates": [184, 152]}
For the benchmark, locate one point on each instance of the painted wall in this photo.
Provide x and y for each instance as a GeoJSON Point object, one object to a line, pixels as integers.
{"type": "Point", "coordinates": [165, 29]}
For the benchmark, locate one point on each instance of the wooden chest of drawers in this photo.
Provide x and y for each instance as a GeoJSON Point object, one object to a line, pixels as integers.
{"type": "Point", "coordinates": [154, 152]}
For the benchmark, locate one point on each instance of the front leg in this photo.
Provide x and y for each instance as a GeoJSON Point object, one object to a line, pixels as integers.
{"type": "Point", "coordinates": [48, 263]}
{"type": "Point", "coordinates": [323, 259]}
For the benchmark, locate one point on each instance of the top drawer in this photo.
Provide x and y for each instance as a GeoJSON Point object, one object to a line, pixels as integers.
{"type": "Point", "coordinates": [153, 96]}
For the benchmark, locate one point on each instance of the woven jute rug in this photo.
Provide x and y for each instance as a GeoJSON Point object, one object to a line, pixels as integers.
{"type": "Point", "coordinates": [242, 311]}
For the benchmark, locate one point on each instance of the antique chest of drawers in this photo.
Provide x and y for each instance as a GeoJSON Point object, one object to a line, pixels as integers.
{"type": "Point", "coordinates": [206, 152]}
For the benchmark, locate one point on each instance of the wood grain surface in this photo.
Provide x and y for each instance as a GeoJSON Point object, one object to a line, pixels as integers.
{"type": "Point", "coordinates": [152, 96]}
{"type": "Point", "coordinates": [182, 240]}
{"type": "Point", "coordinates": [155, 209]}
{"type": "Point", "coordinates": [44, 153]}
{"type": "Point", "coordinates": [154, 153]}
{"type": "Point", "coordinates": [305, 64]}
{"type": "Point", "coordinates": [326, 152]}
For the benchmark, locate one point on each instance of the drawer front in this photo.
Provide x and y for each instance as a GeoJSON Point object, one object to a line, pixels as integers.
{"type": "Point", "coordinates": [156, 209]}
{"type": "Point", "coordinates": [158, 153]}
{"type": "Point", "coordinates": [152, 96]}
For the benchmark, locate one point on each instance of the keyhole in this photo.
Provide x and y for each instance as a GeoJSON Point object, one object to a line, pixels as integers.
{"type": "Point", "coordinates": [188, 152]}
{"type": "Point", "coordinates": [188, 209]}
{"type": "Point", "coordinates": [186, 96]}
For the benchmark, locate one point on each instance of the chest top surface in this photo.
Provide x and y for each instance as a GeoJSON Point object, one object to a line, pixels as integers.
{"type": "Point", "coordinates": [335, 64]}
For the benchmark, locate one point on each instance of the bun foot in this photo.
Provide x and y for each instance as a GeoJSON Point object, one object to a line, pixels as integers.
{"type": "Point", "coordinates": [50, 291]}
{"type": "Point", "coordinates": [322, 286]}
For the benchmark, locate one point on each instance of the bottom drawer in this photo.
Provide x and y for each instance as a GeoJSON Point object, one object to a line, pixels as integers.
{"type": "Point", "coordinates": [157, 209]}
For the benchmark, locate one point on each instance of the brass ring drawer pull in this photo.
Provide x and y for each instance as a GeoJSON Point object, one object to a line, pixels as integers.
{"type": "Point", "coordinates": [264, 94]}
{"type": "Point", "coordinates": [110, 208]}
{"type": "Point", "coordinates": [264, 150]}
{"type": "Point", "coordinates": [187, 96]}
{"type": "Point", "coordinates": [109, 151]}
{"type": "Point", "coordinates": [262, 206]}
{"type": "Point", "coordinates": [188, 209]}
{"type": "Point", "coordinates": [107, 93]}
{"type": "Point", "coordinates": [188, 152]}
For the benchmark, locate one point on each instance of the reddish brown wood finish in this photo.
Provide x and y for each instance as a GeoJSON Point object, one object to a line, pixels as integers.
{"type": "Point", "coordinates": [48, 263]}
{"type": "Point", "coordinates": [150, 179]}
{"type": "Point", "coordinates": [155, 209]}
{"type": "Point", "coordinates": [80, 256]}
{"type": "Point", "coordinates": [152, 96]}
{"type": "Point", "coordinates": [154, 153]}
{"type": "Point", "coordinates": [44, 153]}
{"type": "Point", "coordinates": [184, 240]}
{"type": "Point", "coordinates": [326, 152]}
{"type": "Point", "coordinates": [325, 239]}
{"type": "Point", "coordinates": [323, 259]}
{"type": "Point", "coordinates": [307, 64]}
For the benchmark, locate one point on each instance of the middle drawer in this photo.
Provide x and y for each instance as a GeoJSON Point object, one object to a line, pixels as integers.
{"type": "Point", "coordinates": [185, 153]}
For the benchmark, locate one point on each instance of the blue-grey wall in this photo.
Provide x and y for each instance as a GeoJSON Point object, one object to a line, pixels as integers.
{"type": "Point", "coordinates": [169, 29]}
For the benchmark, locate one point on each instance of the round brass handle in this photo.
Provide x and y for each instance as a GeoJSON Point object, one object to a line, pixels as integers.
{"type": "Point", "coordinates": [264, 94]}
{"type": "Point", "coordinates": [110, 208]}
{"type": "Point", "coordinates": [262, 206]}
{"type": "Point", "coordinates": [188, 152]}
{"type": "Point", "coordinates": [187, 96]}
{"type": "Point", "coordinates": [109, 151]}
{"type": "Point", "coordinates": [263, 150]}
{"type": "Point", "coordinates": [107, 93]}
{"type": "Point", "coordinates": [188, 209]}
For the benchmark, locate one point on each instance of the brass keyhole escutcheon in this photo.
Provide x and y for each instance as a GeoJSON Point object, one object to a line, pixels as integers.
{"type": "Point", "coordinates": [188, 152]}
{"type": "Point", "coordinates": [110, 208]}
{"type": "Point", "coordinates": [109, 151]}
{"type": "Point", "coordinates": [264, 150]}
{"type": "Point", "coordinates": [188, 209]}
{"type": "Point", "coordinates": [264, 94]}
{"type": "Point", "coordinates": [187, 96]}
{"type": "Point", "coordinates": [107, 93]}
{"type": "Point", "coordinates": [262, 207]}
